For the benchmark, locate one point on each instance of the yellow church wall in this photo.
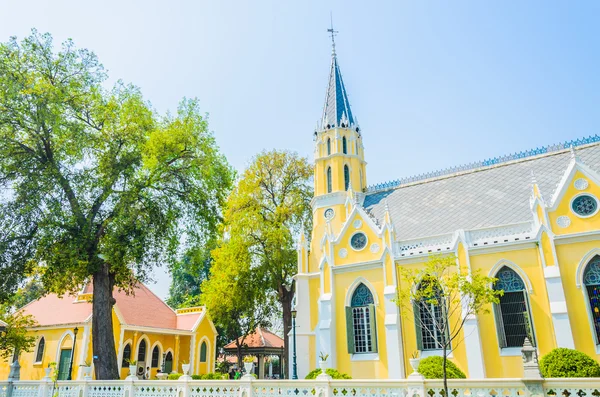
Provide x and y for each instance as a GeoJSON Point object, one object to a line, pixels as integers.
{"type": "Point", "coordinates": [547, 249]}
{"type": "Point", "coordinates": [563, 208]}
{"type": "Point", "coordinates": [409, 333]}
{"type": "Point", "coordinates": [360, 369]}
{"type": "Point", "coordinates": [354, 256]}
{"type": "Point", "coordinates": [204, 329]}
{"type": "Point", "coordinates": [569, 258]}
{"type": "Point", "coordinates": [527, 260]}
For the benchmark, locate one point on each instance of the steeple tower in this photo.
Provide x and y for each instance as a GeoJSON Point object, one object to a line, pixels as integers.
{"type": "Point", "coordinates": [339, 157]}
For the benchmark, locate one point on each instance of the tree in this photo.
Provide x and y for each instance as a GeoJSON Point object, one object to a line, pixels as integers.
{"type": "Point", "coordinates": [15, 339]}
{"type": "Point", "coordinates": [234, 294]}
{"type": "Point", "coordinates": [265, 212]}
{"type": "Point", "coordinates": [98, 187]}
{"type": "Point", "coordinates": [442, 296]}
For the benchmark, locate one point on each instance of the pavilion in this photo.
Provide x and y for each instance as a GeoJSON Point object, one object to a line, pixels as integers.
{"type": "Point", "coordinates": [261, 343]}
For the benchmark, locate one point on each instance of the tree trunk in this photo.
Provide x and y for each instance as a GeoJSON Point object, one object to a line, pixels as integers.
{"type": "Point", "coordinates": [103, 339]}
{"type": "Point", "coordinates": [238, 346]}
{"type": "Point", "coordinates": [444, 359]}
{"type": "Point", "coordinates": [286, 305]}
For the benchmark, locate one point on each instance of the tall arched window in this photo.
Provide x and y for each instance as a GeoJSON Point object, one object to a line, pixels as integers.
{"type": "Point", "coordinates": [39, 353]}
{"type": "Point", "coordinates": [513, 316]}
{"type": "Point", "coordinates": [329, 180]}
{"type": "Point", "coordinates": [346, 177]}
{"type": "Point", "coordinates": [328, 146]}
{"type": "Point", "coordinates": [203, 352]}
{"type": "Point", "coordinates": [591, 280]}
{"type": "Point", "coordinates": [168, 364]}
{"type": "Point", "coordinates": [155, 357]}
{"type": "Point", "coordinates": [126, 355]}
{"type": "Point", "coordinates": [430, 323]}
{"type": "Point", "coordinates": [141, 355]}
{"type": "Point", "coordinates": [344, 146]}
{"type": "Point", "coordinates": [360, 322]}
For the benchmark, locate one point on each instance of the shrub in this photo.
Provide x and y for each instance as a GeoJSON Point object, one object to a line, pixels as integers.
{"type": "Point", "coordinates": [432, 368]}
{"type": "Point", "coordinates": [174, 376]}
{"type": "Point", "coordinates": [568, 363]}
{"type": "Point", "coordinates": [212, 376]}
{"type": "Point", "coordinates": [334, 373]}
{"type": "Point", "coordinates": [196, 377]}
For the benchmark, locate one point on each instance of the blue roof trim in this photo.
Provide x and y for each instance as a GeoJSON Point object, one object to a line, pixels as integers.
{"type": "Point", "coordinates": [485, 163]}
{"type": "Point", "coordinates": [336, 100]}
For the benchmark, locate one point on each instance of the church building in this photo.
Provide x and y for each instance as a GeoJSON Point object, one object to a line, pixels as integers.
{"type": "Point", "coordinates": [529, 219]}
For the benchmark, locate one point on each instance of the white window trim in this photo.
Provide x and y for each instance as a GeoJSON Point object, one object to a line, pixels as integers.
{"type": "Point", "coordinates": [365, 357]}
{"type": "Point", "coordinates": [37, 348]}
{"type": "Point", "coordinates": [510, 351]}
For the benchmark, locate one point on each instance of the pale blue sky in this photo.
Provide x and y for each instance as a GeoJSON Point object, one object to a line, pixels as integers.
{"type": "Point", "coordinates": [432, 84]}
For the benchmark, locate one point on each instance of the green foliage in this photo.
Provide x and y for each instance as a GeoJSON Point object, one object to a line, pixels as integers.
{"type": "Point", "coordinates": [174, 376]}
{"type": "Point", "coordinates": [15, 337]}
{"type": "Point", "coordinates": [334, 373]}
{"type": "Point", "coordinates": [210, 376]}
{"type": "Point", "coordinates": [568, 363]}
{"type": "Point", "coordinates": [432, 368]}
{"type": "Point", "coordinates": [101, 187]}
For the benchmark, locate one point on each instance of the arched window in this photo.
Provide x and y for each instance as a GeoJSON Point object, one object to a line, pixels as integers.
{"type": "Point", "coordinates": [431, 324]}
{"type": "Point", "coordinates": [39, 353]}
{"type": "Point", "coordinates": [346, 177]}
{"type": "Point", "coordinates": [155, 357]}
{"type": "Point", "coordinates": [203, 352]}
{"type": "Point", "coordinates": [329, 180]}
{"type": "Point", "coordinates": [141, 355]}
{"type": "Point", "coordinates": [168, 364]}
{"type": "Point", "coordinates": [360, 322]}
{"type": "Point", "coordinates": [591, 280]}
{"type": "Point", "coordinates": [344, 146]}
{"type": "Point", "coordinates": [328, 146]}
{"type": "Point", "coordinates": [513, 317]}
{"type": "Point", "coordinates": [126, 355]}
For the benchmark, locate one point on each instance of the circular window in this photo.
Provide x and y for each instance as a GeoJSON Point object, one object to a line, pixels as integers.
{"type": "Point", "coordinates": [358, 241]}
{"type": "Point", "coordinates": [584, 205]}
{"type": "Point", "coordinates": [329, 213]}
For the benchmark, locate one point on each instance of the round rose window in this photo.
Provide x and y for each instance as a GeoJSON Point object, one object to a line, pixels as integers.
{"type": "Point", "coordinates": [358, 241]}
{"type": "Point", "coordinates": [584, 205]}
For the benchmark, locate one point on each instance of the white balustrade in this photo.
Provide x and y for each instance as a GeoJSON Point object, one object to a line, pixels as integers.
{"type": "Point", "coordinates": [585, 387]}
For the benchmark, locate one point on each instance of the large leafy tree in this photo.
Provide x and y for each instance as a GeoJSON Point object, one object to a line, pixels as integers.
{"type": "Point", "coordinates": [264, 215]}
{"type": "Point", "coordinates": [95, 185]}
{"type": "Point", "coordinates": [15, 338]}
{"type": "Point", "coordinates": [441, 297]}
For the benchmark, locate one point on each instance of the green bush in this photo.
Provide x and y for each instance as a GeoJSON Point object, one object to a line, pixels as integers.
{"type": "Point", "coordinates": [174, 376]}
{"type": "Point", "coordinates": [568, 363]}
{"type": "Point", "coordinates": [196, 377]}
{"type": "Point", "coordinates": [213, 376]}
{"type": "Point", "coordinates": [330, 371]}
{"type": "Point", "coordinates": [432, 368]}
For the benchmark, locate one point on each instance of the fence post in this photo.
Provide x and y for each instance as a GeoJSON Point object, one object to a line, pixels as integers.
{"type": "Point", "coordinates": [85, 387]}
{"type": "Point", "coordinates": [416, 386]}
{"type": "Point", "coordinates": [532, 378]}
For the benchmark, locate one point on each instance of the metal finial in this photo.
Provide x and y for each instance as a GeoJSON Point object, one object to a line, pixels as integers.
{"type": "Point", "coordinates": [333, 33]}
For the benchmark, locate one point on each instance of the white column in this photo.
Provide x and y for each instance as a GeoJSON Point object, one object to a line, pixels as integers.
{"type": "Point", "coordinates": [473, 347]}
{"type": "Point", "coordinates": [303, 330]}
{"type": "Point", "coordinates": [393, 335]}
{"type": "Point", "coordinates": [326, 330]}
{"type": "Point", "coordinates": [558, 307]}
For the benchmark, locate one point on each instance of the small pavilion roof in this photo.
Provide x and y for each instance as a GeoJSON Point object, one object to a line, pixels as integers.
{"type": "Point", "coordinates": [260, 338]}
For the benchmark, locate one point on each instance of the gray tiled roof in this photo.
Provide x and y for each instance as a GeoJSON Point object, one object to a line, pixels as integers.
{"type": "Point", "coordinates": [485, 197]}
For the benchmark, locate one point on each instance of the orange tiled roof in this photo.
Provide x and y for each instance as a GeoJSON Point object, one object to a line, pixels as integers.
{"type": "Point", "coordinates": [260, 338]}
{"type": "Point", "coordinates": [142, 308]}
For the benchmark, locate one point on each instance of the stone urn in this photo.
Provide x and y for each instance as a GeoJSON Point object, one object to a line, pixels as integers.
{"type": "Point", "coordinates": [186, 368]}
{"type": "Point", "coordinates": [323, 366]}
{"type": "Point", "coordinates": [132, 371]}
{"type": "Point", "coordinates": [48, 373]}
{"type": "Point", "coordinates": [414, 363]}
{"type": "Point", "coordinates": [87, 372]}
{"type": "Point", "coordinates": [248, 367]}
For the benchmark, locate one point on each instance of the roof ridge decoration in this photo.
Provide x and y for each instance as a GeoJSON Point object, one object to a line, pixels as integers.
{"type": "Point", "coordinates": [336, 112]}
{"type": "Point", "coordinates": [485, 163]}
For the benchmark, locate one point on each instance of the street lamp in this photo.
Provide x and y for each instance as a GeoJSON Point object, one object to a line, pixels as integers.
{"type": "Point", "coordinates": [294, 365]}
{"type": "Point", "coordinates": [70, 376]}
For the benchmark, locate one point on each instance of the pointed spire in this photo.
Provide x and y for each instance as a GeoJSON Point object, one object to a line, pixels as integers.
{"type": "Point", "coordinates": [337, 107]}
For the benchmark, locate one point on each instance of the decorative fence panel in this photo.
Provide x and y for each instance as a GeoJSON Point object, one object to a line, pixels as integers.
{"type": "Point", "coordinates": [306, 388]}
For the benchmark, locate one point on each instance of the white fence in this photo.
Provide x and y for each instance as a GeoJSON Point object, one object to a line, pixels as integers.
{"type": "Point", "coordinates": [306, 388]}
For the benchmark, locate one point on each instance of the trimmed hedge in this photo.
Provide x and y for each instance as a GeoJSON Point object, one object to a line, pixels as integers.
{"type": "Point", "coordinates": [334, 373]}
{"type": "Point", "coordinates": [432, 368]}
{"type": "Point", "coordinates": [568, 363]}
{"type": "Point", "coordinates": [174, 376]}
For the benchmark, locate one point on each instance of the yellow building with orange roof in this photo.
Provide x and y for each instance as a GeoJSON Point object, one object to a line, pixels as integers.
{"type": "Point", "coordinates": [146, 330]}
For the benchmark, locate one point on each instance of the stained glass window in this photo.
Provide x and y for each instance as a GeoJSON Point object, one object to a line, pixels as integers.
{"type": "Point", "coordinates": [591, 279]}
{"type": "Point", "coordinates": [346, 177]}
{"type": "Point", "coordinates": [362, 296]}
{"type": "Point", "coordinates": [513, 318]}
{"type": "Point", "coordinates": [362, 320]}
{"type": "Point", "coordinates": [358, 241]}
{"type": "Point", "coordinates": [584, 205]}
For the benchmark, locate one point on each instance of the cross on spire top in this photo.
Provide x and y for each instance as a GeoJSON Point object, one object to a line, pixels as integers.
{"type": "Point", "coordinates": [333, 34]}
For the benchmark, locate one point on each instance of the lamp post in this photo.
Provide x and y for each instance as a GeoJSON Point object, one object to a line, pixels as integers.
{"type": "Point", "coordinates": [70, 376]}
{"type": "Point", "coordinates": [294, 365]}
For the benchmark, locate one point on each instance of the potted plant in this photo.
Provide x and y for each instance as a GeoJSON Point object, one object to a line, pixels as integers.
{"type": "Point", "coordinates": [186, 367]}
{"type": "Point", "coordinates": [87, 369]}
{"type": "Point", "coordinates": [132, 367]}
{"type": "Point", "coordinates": [249, 364]}
{"type": "Point", "coordinates": [414, 361]}
{"type": "Point", "coordinates": [323, 361]}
